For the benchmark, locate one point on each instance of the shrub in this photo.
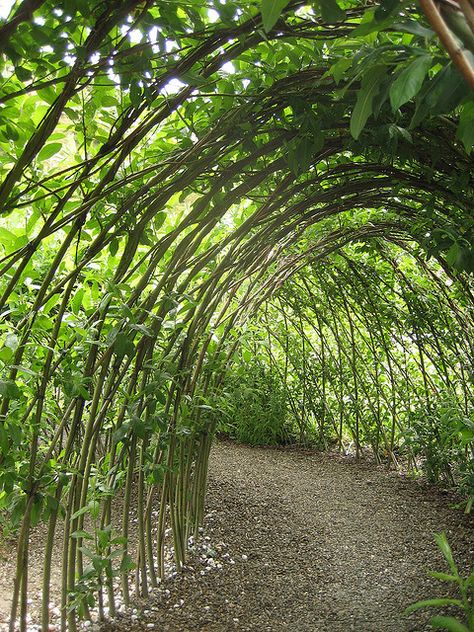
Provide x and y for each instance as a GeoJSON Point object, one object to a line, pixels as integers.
{"type": "Point", "coordinates": [255, 406]}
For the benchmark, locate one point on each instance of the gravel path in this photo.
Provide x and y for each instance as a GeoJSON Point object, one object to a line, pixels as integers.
{"type": "Point", "coordinates": [298, 542]}
{"type": "Point", "coordinates": [319, 544]}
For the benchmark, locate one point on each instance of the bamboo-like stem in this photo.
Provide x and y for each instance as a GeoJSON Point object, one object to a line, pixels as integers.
{"type": "Point", "coordinates": [453, 49]}
{"type": "Point", "coordinates": [142, 586]}
{"type": "Point", "coordinates": [126, 512]}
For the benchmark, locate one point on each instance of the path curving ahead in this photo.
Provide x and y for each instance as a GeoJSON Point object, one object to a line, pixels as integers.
{"type": "Point", "coordinates": [309, 543]}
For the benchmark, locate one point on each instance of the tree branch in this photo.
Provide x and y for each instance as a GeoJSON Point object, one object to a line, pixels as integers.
{"type": "Point", "coordinates": [22, 14]}
{"type": "Point", "coordinates": [454, 50]}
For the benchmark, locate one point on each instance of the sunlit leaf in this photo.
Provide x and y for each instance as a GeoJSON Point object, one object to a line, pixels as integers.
{"type": "Point", "coordinates": [271, 11]}
{"type": "Point", "coordinates": [370, 86]}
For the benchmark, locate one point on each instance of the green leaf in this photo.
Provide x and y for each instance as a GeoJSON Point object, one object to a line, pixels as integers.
{"type": "Point", "coordinates": [465, 130]}
{"type": "Point", "coordinates": [7, 238]}
{"type": "Point", "coordinates": [127, 564]}
{"type": "Point", "coordinates": [441, 602]}
{"type": "Point", "coordinates": [18, 509]}
{"type": "Point", "coordinates": [160, 219]}
{"type": "Point", "coordinates": [443, 544]}
{"type": "Point", "coordinates": [413, 27]}
{"type": "Point", "coordinates": [444, 577]}
{"type": "Point", "coordinates": [9, 390]}
{"type": "Point", "coordinates": [88, 552]}
{"type": "Point", "coordinates": [36, 509]}
{"type": "Point", "coordinates": [108, 101]}
{"type": "Point", "coordinates": [11, 133]}
{"type": "Point", "coordinates": [52, 302]}
{"type": "Point", "coordinates": [121, 432]}
{"type": "Point", "coordinates": [386, 8]}
{"type": "Point", "coordinates": [453, 254]}
{"type": "Point", "coordinates": [161, 397]}
{"type": "Point", "coordinates": [6, 354]}
{"type": "Point", "coordinates": [52, 502]}
{"type": "Point", "coordinates": [22, 73]}
{"type": "Point", "coordinates": [271, 11]}
{"type": "Point", "coordinates": [79, 512]}
{"type": "Point", "coordinates": [139, 429]}
{"type": "Point", "coordinates": [331, 12]}
{"type": "Point", "coordinates": [192, 78]}
{"type": "Point", "coordinates": [247, 355]}
{"type": "Point", "coordinates": [447, 623]}
{"type": "Point", "coordinates": [94, 508]}
{"type": "Point", "coordinates": [445, 91]}
{"type": "Point", "coordinates": [83, 535]}
{"type": "Point", "coordinates": [338, 69]}
{"type": "Point", "coordinates": [370, 87]}
{"type": "Point", "coordinates": [113, 247]}
{"type": "Point", "coordinates": [409, 81]}
{"type": "Point", "coordinates": [123, 345]}
{"type": "Point", "coordinates": [76, 301]}
{"type": "Point", "coordinates": [4, 444]}
{"type": "Point", "coordinates": [103, 536]}
{"type": "Point", "coordinates": [459, 25]}
{"type": "Point", "coordinates": [373, 26]}
{"type": "Point", "coordinates": [135, 94]}
{"type": "Point", "coordinates": [49, 150]}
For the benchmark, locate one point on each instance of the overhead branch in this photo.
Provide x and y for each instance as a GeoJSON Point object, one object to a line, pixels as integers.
{"type": "Point", "coordinates": [454, 50]}
{"type": "Point", "coordinates": [22, 14]}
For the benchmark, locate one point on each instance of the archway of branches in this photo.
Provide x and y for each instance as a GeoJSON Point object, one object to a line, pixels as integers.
{"type": "Point", "coordinates": [201, 239]}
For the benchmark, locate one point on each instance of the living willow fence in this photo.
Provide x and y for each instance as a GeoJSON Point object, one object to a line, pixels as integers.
{"type": "Point", "coordinates": [173, 175]}
{"type": "Point", "coordinates": [368, 346]}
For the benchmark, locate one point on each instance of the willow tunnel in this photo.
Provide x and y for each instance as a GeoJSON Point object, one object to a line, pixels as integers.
{"type": "Point", "coordinates": [192, 217]}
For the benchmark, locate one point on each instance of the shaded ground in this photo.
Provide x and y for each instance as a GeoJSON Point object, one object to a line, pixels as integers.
{"type": "Point", "coordinates": [332, 545]}
{"type": "Point", "coordinates": [303, 542]}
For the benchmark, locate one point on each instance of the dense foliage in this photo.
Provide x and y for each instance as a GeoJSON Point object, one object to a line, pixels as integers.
{"type": "Point", "coordinates": [184, 183]}
{"type": "Point", "coordinates": [368, 352]}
